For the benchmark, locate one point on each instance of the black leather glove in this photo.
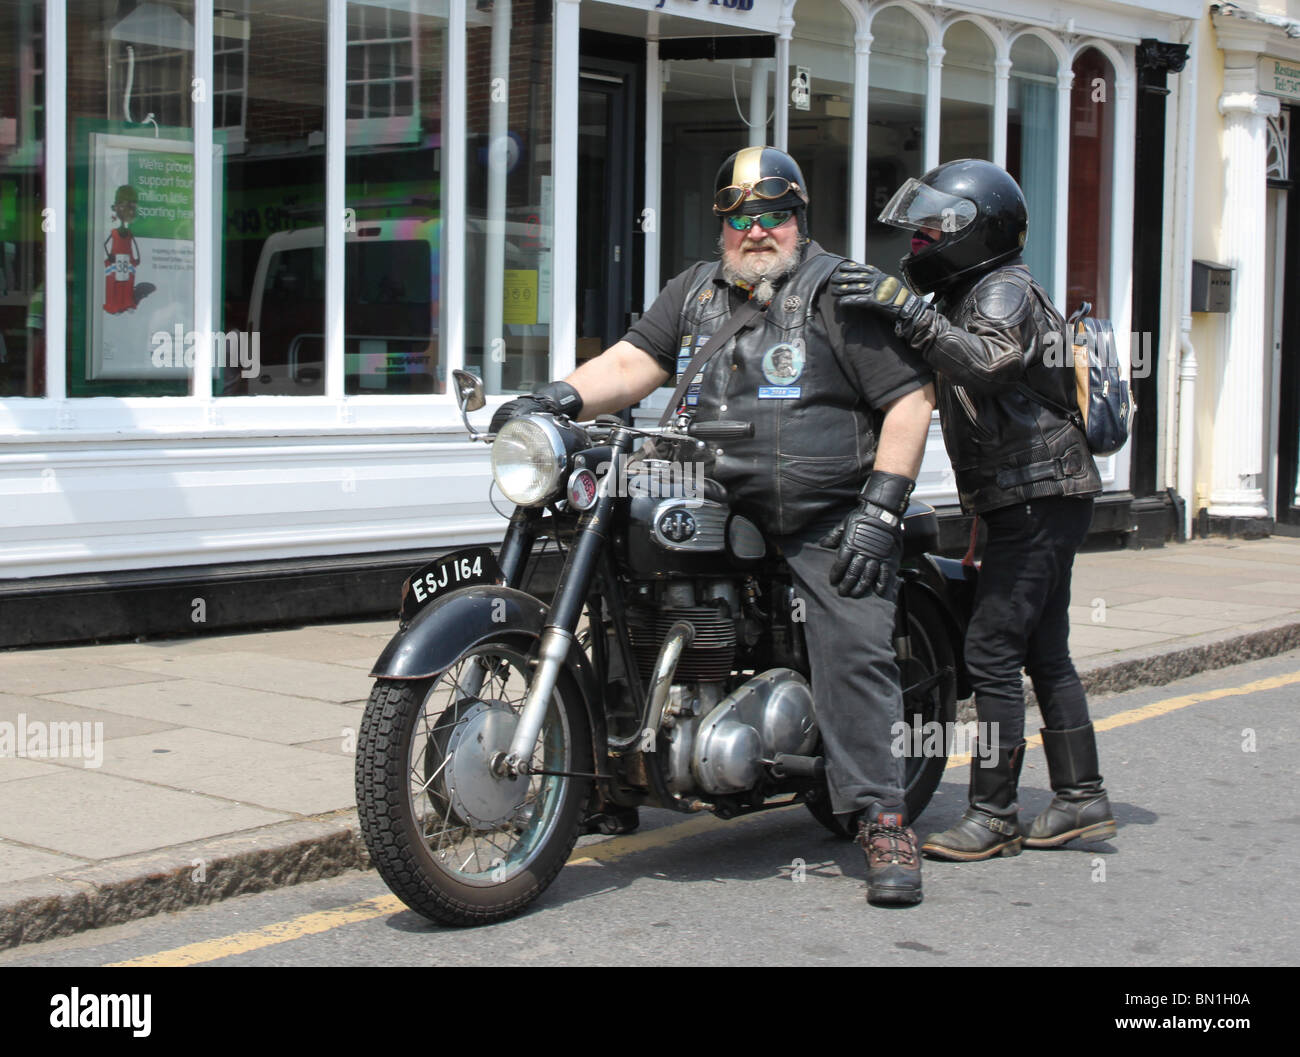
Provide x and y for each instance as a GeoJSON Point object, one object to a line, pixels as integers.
{"type": "Point", "coordinates": [870, 540]}
{"type": "Point", "coordinates": [865, 286]}
{"type": "Point", "coordinates": [556, 398]}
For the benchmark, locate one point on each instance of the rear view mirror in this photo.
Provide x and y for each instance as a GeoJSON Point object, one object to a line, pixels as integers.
{"type": "Point", "coordinates": [469, 391]}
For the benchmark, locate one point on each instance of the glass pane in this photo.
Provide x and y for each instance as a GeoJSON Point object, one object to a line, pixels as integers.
{"type": "Point", "coordinates": [22, 197]}
{"type": "Point", "coordinates": [131, 198]}
{"type": "Point", "coordinates": [966, 119]}
{"type": "Point", "coordinates": [708, 109]}
{"type": "Point", "coordinates": [508, 190]}
{"type": "Point", "coordinates": [1092, 136]}
{"type": "Point", "coordinates": [896, 134]}
{"type": "Point", "coordinates": [270, 253]}
{"type": "Point", "coordinates": [821, 136]}
{"type": "Point", "coordinates": [1031, 148]}
{"type": "Point", "coordinates": [392, 264]}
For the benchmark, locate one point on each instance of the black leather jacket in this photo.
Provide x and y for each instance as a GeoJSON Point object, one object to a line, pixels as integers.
{"type": "Point", "coordinates": [987, 338]}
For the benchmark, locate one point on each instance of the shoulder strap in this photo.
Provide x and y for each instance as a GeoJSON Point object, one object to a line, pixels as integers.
{"type": "Point", "coordinates": [739, 319]}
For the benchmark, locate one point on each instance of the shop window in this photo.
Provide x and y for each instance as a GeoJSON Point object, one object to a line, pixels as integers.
{"type": "Point", "coordinates": [821, 131]}
{"type": "Point", "coordinates": [269, 256]}
{"type": "Point", "coordinates": [896, 131]}
{"type": "Point", "coordinates": [1032, 148]}
{"type": "Point", "coordinates": [966, 113]}
{"type": "Point", "coordinates": [22, 193]}
{"type": "Point", "coordinates": [1092, 135]}
{"type": "Point", "coordinates": [131, 196]}
{"type": "Point", "coordinates": [393, 258]}
{"type": "Point", "coordinates": [508, 222]}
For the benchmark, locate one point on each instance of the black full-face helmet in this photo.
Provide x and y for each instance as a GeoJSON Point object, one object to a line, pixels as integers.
{"type": "Point", "coordinates": [979, 210]}
{"type": "Point", "coordinates": [759, 180]}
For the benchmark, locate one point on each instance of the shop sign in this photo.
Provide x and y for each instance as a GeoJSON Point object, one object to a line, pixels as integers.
{"type": "Point", "coordinates": [1279, 77]}
{"type": "Point", "coordinates": [760, 15]}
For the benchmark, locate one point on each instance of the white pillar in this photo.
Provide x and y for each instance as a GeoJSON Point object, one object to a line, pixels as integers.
{"type": "Point", "coordinates": [933, 104]}
{"type": "Point", "coordinates": [451, 312]}
{"type": "Point", "coordinates": [1001, 84]}
{"type": "Point", "coordinates": [1239, 428]}
{"type": "Point", "coordinates": [650, 219]}
{"type": "Point", "coordinates": [858, 164]}
{"type": "Point", "coordinates": [1121, 240]}
{"type": "Point", "coordinates": [758, 71]}
{"type": "Point", "coordinates": [56, 204]}
{"type": "Point", "coordinates": [1064, 83]}
{"type": "Point", "coordinates": [564, 166]}
{"type": "Point", "coordinates": [498, 160]}
{"type": "Point", "coordinates": [204, 234]}
{"type": "Point", "coordinates": [781, 131]}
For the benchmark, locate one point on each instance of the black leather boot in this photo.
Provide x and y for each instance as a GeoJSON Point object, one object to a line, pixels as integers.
{"type": "Point", "coordinates": [991, 825]}
{"type": "Point", "coordinates": [1080, 808]}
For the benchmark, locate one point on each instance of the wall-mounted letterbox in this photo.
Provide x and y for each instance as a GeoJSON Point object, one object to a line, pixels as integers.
{"type": "Point", "coordinates": [1211, 287]}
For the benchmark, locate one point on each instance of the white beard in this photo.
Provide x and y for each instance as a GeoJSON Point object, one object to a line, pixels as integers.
{"type": "Point", "coordinates": [738, 267]}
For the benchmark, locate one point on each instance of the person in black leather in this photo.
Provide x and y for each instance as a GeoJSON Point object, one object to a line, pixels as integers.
{"type": "Point", "coordinates": [995, 339]}
{"type": "Point", "coordinates": [841, 408]}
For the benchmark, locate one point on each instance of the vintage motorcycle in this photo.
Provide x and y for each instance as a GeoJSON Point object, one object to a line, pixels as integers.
{"type": "Point", "coordinates": [668, 670]}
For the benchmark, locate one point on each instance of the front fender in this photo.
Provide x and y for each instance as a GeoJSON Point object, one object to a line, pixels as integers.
{"type": "Point", "coordinates": [447, 627]}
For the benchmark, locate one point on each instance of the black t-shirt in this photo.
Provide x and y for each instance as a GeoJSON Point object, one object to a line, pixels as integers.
{"type": "Point", "coordinates": [881, 364]}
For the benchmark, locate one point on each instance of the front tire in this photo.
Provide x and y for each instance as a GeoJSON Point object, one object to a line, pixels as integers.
{"type": "Point", "coordinates": [454, 843]}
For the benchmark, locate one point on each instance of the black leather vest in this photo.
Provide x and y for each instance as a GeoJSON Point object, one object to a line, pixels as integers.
{"type": "Point", "coordinates": [814, 436]}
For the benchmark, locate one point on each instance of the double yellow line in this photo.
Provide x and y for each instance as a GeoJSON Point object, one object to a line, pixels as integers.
{"type": "Point", "coordinates": [607, 851]}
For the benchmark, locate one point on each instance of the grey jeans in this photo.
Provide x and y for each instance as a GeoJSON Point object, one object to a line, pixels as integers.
{"type": "Point", "coordinates": [855, 685]}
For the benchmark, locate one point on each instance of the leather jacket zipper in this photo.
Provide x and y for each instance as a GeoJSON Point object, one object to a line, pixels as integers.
{"type": "Point", "coordinates": [968, 406]}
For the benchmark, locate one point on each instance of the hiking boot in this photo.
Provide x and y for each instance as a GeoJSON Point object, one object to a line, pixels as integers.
{"type": "Point", "coordinates": [1080, 809]}
{"type": "Point", "coordinates": [893, 866]}
{"type": "Point", "coordinates": [991, 824]}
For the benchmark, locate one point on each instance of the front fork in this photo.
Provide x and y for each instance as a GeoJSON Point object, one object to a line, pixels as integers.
{"type": "Point", "coordinates": [558, 633]}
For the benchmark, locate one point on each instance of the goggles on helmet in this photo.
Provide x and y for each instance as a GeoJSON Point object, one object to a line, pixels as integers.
{"type": "Point", "coordinates": [917, 205]}
{"type": "Point", "coordinates": [767, 221]}
{"type": "Point", "coordinates": [770, 187]}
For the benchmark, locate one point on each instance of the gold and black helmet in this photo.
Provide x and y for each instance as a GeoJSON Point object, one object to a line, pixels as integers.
{"type": "Point", "coordinates": [759, 180]}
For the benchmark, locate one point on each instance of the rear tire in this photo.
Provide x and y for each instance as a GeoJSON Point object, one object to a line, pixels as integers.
{"type": "Point", "coordinates": [454, 843]}
{"type": "Point", "coordinates": [932, 653]}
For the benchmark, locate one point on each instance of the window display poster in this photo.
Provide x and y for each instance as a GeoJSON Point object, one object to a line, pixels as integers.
{"type": "Point", "coordinates": [139, 256]}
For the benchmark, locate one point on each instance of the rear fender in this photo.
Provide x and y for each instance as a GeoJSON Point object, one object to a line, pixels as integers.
{"type": "Point", "coordinates": [447, 627]}
{"type": "Point", "coordinates": [950, 585]}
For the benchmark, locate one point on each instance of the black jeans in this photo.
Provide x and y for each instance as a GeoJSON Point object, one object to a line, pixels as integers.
{"type": "Point", "coordinates": [1022, 619]}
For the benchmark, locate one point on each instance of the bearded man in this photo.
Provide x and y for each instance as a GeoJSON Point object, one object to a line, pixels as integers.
{"type": "Point", "coordinates": [840, 408]}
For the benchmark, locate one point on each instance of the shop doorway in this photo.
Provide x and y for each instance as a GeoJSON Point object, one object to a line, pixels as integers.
{"type": "Point", "coordinates": [607, 189]}
{"type": "Point", "coordinates": [1282, 318]}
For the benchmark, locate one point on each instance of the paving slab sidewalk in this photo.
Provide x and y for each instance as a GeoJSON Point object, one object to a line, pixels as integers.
{"type": "Point", "coordinates": [191, 770]}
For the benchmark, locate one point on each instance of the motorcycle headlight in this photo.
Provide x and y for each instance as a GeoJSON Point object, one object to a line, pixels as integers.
{"type": "Point", "coordinates": [529, 457]}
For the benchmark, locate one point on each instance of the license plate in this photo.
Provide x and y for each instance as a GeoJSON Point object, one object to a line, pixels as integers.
{"type": "Point", "coordinates": [464, 568]}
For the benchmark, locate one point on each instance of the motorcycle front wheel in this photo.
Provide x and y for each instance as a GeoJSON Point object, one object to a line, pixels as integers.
{"type": "Point", "coordinates": [453, 841]}
{"type": "Point", "coordinates": [929, 684]}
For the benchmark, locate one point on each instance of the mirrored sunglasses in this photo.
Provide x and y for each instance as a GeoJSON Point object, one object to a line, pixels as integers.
{"type": "Point", "coordinates": [767, 221]}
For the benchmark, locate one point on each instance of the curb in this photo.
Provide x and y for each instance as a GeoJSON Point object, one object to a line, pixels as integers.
{"type": "Point", "coordinates": [188, 875]}
{"type": "Point", "coordinates": [290, 853]}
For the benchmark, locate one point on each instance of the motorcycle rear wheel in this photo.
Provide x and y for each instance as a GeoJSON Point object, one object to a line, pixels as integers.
{"type": "Point", "coordinates": [932, 652]}
{"type": "Point", "coordinates": [454, 843]}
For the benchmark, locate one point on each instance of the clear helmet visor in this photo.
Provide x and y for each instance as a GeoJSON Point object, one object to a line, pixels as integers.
{"type": "Point", "coordinates": [917, 205]}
